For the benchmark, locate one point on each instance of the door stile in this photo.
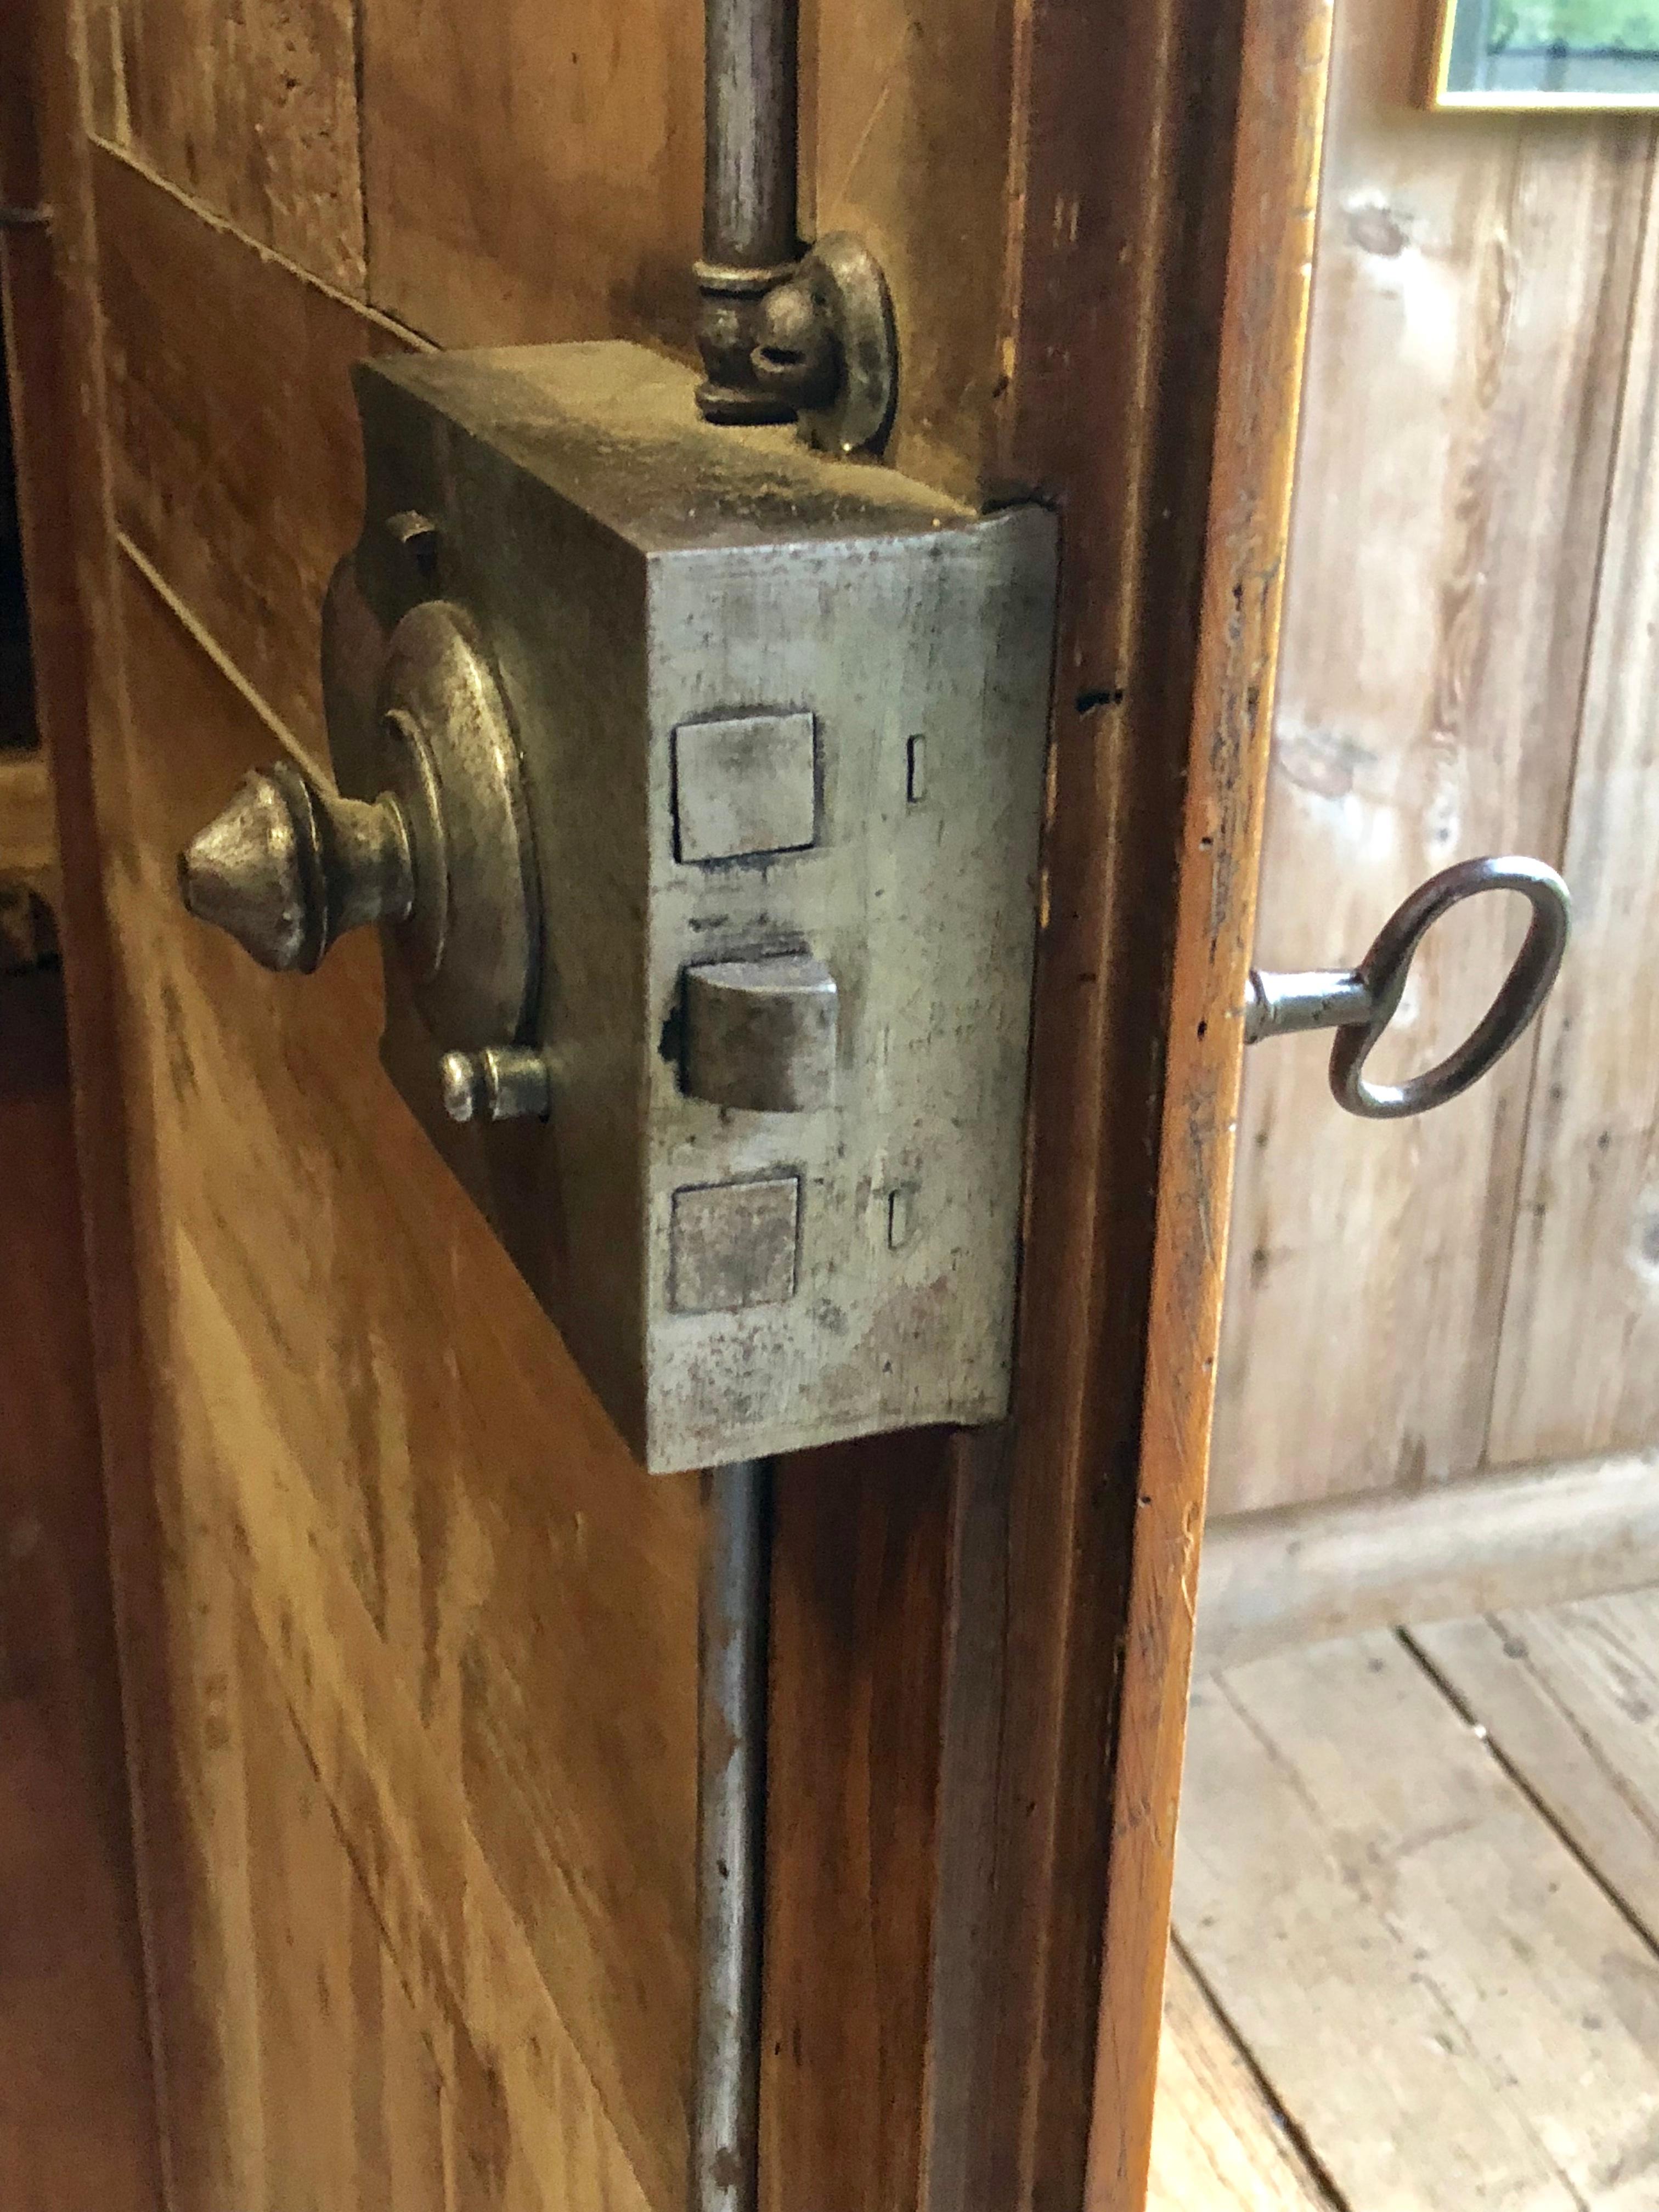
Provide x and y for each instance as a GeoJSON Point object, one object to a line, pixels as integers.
{"type": "Point", "coordinates": [1155, 306]}
{"type": "Point", "coordinates": [1281, 114]}
{"type": "Point", "coordinates": [48, 276]}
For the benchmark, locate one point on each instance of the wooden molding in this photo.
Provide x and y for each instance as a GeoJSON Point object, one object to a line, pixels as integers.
{"type": "Point", "coordinates": [1277, 140]}
{"type": "Point", "coordinates": [1157, 303]}
{"type": "Point", "coordinates": [1298, 1574]}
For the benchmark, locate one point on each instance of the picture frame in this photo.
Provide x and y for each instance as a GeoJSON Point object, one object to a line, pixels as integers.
{"type": "Point", "coordinates": [1584, 55]}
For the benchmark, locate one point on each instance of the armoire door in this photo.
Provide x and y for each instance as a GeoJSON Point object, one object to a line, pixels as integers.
{"type": "Point", "coordinates": [409, 1640]}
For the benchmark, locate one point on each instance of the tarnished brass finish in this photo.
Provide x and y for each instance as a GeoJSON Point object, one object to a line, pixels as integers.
{"type": "Point", "coordinates": [782, 338]}
{"type": "Point", "coordinates": [810, 341]}
{"type": "Point", "coordinates": [288, 868]}
{"type": "Point", "coordinates": [502, 1083]}
{"type": "Point", "coordinates": [731, 298]}
{"type": "Point", "coordinates": [826, 340]}
{"type": "Point", "coordinates": [750, 242]}
{"type": "Point", "coordinates": [731, 1835]}
{"type": "Point", "coordinates": [447, 747]}
{"type": "Point", "coordinates": [794, 353]}
{"type": "Point", "coordinates": [438, 847]}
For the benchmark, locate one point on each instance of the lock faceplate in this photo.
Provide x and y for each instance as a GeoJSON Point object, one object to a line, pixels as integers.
{"type": "Point", "coordinates": [721, 663]}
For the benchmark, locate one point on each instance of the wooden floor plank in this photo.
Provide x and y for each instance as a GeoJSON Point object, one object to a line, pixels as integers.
{"type": "Point", "coordinates": [1449, 2005]}
{"type": "Point", "coordinates": [1570, 1698]}
{"type": "Point", "coordinates": [1217, 2145]}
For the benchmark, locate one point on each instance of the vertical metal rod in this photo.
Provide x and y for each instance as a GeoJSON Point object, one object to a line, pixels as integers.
{"type": "Point", "coordinates": [731, 1792]}
{"type": "Point", "coordinates": [749, 209]}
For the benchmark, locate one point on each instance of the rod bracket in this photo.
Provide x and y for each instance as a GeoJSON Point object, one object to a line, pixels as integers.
{"type": "Point", "coordinates": [811, 342]}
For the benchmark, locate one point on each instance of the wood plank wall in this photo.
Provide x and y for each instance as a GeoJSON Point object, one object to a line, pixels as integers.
{"type": "Point", "coordinates": [1466, 668]}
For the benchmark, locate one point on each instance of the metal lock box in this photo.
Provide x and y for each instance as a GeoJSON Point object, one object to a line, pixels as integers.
{"type": "Point", "coordinates": [720, 769]}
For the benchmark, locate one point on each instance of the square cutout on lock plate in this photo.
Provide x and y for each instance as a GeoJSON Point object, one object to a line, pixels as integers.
{"type": "Point", "coordinates": [744, 785]}
{"type": "Point", "coordinates": [733, 1244]}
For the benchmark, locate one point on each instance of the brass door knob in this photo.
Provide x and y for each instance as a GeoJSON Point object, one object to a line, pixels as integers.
{"type": "Point", "coordinates": [1359, 1003]}
{"type": "Point", "coordinates": [437, 845]}
{"type": "Point", "coordinates": [289, 867]}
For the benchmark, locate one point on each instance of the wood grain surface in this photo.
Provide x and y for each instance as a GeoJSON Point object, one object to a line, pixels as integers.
{"type": "Point", "coordinates": [252, 111]}
{"type": "Point", "coordinates": [76, 2109]}
{"type": "Point", "coordinates": [858, 1601]}
{"type": "Point", "coordinates": [1112, 307]}
{"type": "Point", "coordinates": [533, 173]}
{"type": "Point", "coordinates": [300, 2068]}
{"type": "Point", "coordinates": [1445, 1997]}
{"type": "Point", "coordinates": [1071, 1601]}
{"type": "Point", "coordinates": [1532, 1536]}
{"type": "Point", "coordinates": [57, 418]}
{"type": "Point", "coordinates": [1218, 2143]}
{"type": "Point", "coordinates": [375, 1515]}
{"type": "Point", "coordinates": [533, 177]}
{"type": "Point", "coordinates": [29, 824]}
{"type": "Point", "coordinates": [77, 2122]}
{"type": "Point", "coordinates": [913, 139]}
{"type": "Point", "coordinates": [1567, 1697]}
{"type": "Point", "coordinates": [490, 1610]}
{"type": "Point", "coordinates": [1580, 1344]}
{"type": "Point", "coordinates": [1284, 55]}
{"type": "Point", "coordinates": [1470, 325]}
{"type": "Point", "coordinates": [238, 467]}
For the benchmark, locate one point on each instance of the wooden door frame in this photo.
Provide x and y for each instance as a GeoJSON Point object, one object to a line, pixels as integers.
{"type": "Point", "coordinates": [1158, 295]}
{"type": "Point", "coordinates": [1030, 1591]}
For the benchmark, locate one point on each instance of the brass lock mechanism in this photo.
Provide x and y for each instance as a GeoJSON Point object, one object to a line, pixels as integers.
{"type": "Point", "coordinates": [694, 783]}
